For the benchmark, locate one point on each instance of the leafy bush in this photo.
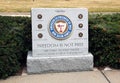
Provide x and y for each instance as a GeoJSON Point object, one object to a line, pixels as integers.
{"type": "Point", "coordinates": [105, 48]}
{"type": "Point", "coordinates": [15, 41]}
{"type": "Point", "coordinates": [9, 64]}
{"type": "Point", "coordinates": [108, 22]}
{"type": "Point", "coordinates": [103, 42]}
{"type": "Point", "coordinates": [13, 44]}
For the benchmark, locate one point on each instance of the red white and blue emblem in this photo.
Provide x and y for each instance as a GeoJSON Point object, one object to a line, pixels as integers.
{"type": "Point", "coordinates": [60, 27]}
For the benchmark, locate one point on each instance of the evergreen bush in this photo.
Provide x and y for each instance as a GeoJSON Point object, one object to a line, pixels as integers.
{"type": "Point", "coordinates": [105, 48]}
{"type": "Point", "coordinates": [14, 33]}
{"type": "Point", "coordinates": [15, 41]}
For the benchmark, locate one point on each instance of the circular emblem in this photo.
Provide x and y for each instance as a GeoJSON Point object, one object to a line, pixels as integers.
{"type": "Point", "coordinates": [60, 27]}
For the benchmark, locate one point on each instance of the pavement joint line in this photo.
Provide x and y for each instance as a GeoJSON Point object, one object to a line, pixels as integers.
{"type": "Point", "coordinates": [105, 77]}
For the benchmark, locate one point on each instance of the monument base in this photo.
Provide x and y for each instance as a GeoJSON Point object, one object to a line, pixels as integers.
{"type": "Point", "coordinates": [59, 63]}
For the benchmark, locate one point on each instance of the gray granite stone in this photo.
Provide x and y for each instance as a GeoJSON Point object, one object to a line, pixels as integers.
{"type": "Point", "coordinates": [59, 63]}
{"type": "Point", "coordinates": [59, 41]}
{"type": "Point", "coordinates": [48, 41]}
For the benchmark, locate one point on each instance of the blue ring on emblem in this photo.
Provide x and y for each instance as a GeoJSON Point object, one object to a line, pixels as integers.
{"type": "Point", "coordinates": [60, 27]}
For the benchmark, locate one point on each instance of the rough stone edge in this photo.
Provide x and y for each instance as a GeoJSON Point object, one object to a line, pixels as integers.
{"type": "Point", "coordinates": [59, 64]}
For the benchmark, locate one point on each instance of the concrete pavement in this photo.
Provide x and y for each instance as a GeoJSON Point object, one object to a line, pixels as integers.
{"type": "Point", "coordinates": [113, 76]}
{"type": "Point", "coordinates": [95, 76]}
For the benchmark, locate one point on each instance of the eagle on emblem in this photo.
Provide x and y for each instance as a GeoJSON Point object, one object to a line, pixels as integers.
{"type": "Point", "coordinates": [61, 26]}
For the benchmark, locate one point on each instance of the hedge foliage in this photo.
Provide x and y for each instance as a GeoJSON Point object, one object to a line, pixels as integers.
{"type": "Point", "coordinates": [15, 41]}
{"type": "Point", "coordinates": [105, 48]}
{"type": "Point", "coordinates": [103, 43]}
{"type": "Point", "coordinates": [14, 44]}
{"type": "Point", "coordinates": [108, 22]}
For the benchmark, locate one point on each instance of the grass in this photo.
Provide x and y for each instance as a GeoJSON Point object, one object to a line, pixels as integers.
{"type": "Point", "coordinates": [92, 5]}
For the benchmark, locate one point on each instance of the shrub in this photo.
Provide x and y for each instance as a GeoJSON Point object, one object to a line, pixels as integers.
{"type": "Point", "coordinates": [105, 48]}
{"type": "Point", "coordinates": [13, 44]}
{"type": "Point", "coordinates": [102, 38]}
{"type": "Point", "coordinates": [15, 41]}
{"type": "Point", "coordinates": [109, 22]}
{"type": "Point", "coordinates": [9, 64]}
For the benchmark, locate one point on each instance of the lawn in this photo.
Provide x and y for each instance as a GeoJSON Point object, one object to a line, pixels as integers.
{"type": "Point", "coordinates": [92, 5]}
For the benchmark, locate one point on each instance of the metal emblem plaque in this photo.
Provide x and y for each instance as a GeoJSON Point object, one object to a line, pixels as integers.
{"type": "Point", "coordinates": [60, 27]}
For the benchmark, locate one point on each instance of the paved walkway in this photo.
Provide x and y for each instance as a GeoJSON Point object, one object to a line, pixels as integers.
{"type": "Point", "coordinates": [95, 76]}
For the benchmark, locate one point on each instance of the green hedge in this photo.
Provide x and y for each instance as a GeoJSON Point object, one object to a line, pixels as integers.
{"type": "Point", "coordinates": [15, 41]}
{"type": "Point", "coordinates": [105, 48]}
{"type": "Point", "coordinates": [103, 43]}
{"type": "Point", "coordinates": [108, 22]}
